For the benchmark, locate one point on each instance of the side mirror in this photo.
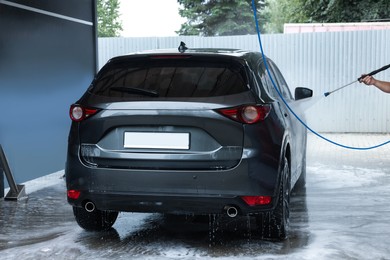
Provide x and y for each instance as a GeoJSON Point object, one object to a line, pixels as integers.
{"type": "Point", "coordinates": [301, 93]}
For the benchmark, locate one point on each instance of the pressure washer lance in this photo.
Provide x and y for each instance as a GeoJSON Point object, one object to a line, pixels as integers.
{"type": "Point", "coordinates": [359, 79]}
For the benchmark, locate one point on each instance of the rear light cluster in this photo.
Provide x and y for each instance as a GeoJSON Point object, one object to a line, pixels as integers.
{"type": "Point", "coordinates": [74, 194]}
{"type": "Point", "coordinates": [79, 113]}
{"type": "Point", "coordinates": [247, 114]}
{"type": "Point", "coordinates": [257, 200]}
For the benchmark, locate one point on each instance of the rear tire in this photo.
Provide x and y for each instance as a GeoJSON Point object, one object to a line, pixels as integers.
{"type": "Point", "coordinates": [94, 221]}
{"type": "Point", "coordinates": [274, 225]}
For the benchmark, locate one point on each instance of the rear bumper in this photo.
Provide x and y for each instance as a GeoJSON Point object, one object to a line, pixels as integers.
{"type": "Point", "coordinates": [180, 192]}
{"type": "Point", "coordinates": [167, 203]}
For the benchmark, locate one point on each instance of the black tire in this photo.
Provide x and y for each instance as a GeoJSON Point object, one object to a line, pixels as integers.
{"type": "Point", "coordinates": [94, 221]}
{"type": "Point", "coordinates": [274, 225]}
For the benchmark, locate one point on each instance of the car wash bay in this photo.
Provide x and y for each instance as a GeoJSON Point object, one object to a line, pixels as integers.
{"type": "Point", "coordinates": [47, 60]}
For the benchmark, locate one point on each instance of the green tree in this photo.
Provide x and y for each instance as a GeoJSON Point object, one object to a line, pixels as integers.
{"type": "Point", "coordinates": [109, 24]}
{"type": "Point", "coordinates": [341, 11]}
{"type": "Point", "coordinates": [280, 12]}
{"type": "Point", "coordinates": [324, 11]}
{"type": "Point", "coordinates": [218, 17]}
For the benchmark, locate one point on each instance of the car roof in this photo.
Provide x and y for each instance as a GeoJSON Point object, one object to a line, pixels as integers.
{"type": "Point", "coordinates": [238, 53]}
{"type": "Point", "coordinates": [226, 51]}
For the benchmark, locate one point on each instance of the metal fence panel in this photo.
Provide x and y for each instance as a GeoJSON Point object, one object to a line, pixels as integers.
{"type": "Point", "coordinates": [320, 61]}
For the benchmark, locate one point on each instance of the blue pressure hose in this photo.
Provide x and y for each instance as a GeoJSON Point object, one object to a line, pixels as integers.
{"type": "Point", "coordinates": [284, 101]}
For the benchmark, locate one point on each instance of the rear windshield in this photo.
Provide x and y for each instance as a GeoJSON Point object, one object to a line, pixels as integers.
{"type": "Point", "coordinates": [170, 78]}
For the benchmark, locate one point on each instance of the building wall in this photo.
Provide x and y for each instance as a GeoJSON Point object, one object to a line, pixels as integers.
{"type": "Point", "coordinates": [320, 61]}
{"type": "Point", "coordinates": [47, 59]}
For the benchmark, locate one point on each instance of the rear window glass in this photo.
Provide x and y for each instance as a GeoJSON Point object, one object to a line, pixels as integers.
{"type": "Point", "coordinates": [170, 78]}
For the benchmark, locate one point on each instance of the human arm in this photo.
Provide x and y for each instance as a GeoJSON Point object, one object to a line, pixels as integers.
{"type": "Point", "coordinates": [382, 85]}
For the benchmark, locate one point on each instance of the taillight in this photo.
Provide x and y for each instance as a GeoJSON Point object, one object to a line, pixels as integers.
{"type": "Point", "coordinates": [79, 113]}
{"type": "Point", "coordinates": [257, 200]}
{"type": "Point", "coordinates": [247, 114]}
{"type": "Point", "coordinates": [74, 194]}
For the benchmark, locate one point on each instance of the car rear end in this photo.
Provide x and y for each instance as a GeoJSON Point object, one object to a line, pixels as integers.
{"type": "Point", "coordinates": [174, 133]}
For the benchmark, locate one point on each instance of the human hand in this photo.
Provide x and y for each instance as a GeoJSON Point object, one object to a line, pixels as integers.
{"type": "Point", "coordinates": [368, 80]}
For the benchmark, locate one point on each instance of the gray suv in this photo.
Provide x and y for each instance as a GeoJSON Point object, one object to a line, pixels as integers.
{"type": "Point", "coordinates": [199, 132]}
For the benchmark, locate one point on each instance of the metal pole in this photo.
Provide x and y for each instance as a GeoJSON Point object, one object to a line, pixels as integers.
{"type": "Point", "coordinates": [7, 171]}
{"type": "Point", "coordinates": [16, 191]}
{"type": "Point", "coordinates": [1, 183]}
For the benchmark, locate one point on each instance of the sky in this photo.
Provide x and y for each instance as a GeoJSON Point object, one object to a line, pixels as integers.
{"type": "Point", "coordinates": [142, 18]}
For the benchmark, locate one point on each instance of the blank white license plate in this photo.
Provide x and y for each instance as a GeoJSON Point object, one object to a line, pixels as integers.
{"type": "Point", "coordinates": [157, 140]}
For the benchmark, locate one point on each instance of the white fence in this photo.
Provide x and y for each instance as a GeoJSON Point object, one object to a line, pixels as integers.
{"type": "Point", "coordinates": [320, 61]}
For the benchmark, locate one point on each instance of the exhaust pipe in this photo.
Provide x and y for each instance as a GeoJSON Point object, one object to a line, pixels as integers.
{"type": "Point", "coordinates": [89, 206]}
{"type": "Point", "coordinates": [231, 211]}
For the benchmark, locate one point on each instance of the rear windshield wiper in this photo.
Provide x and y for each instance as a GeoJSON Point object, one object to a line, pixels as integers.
{"type": "Point", "coordinates": [138, 91]}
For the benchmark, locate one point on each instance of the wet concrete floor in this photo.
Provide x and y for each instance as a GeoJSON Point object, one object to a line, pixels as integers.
{"type": "Point", "coordinates": [343, 214]}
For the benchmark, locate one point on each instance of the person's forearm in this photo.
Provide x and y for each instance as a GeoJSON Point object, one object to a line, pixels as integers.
{"type": "Point", "coordinates": [382, 85]}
